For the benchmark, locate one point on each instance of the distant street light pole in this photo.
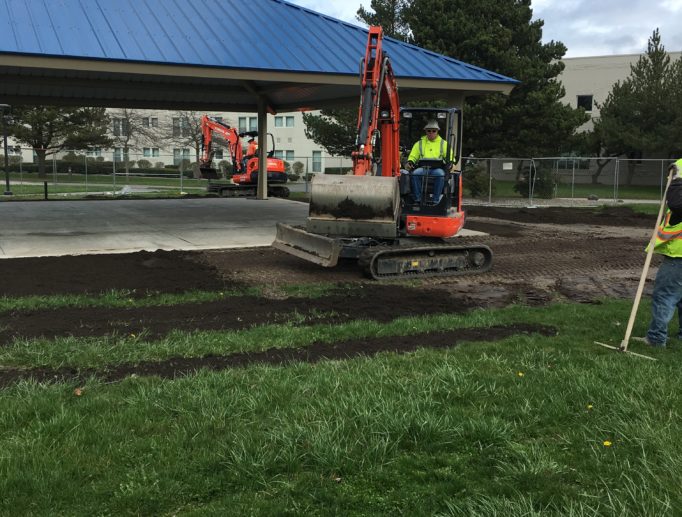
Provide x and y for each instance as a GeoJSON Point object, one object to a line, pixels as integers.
{"type": "Point", "coordinates": [5, 108]}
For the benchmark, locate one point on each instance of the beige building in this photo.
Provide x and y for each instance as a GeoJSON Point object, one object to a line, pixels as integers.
{"type": "Point", "coordinates": [168, 131]}
{"type": "Point", "coordinates": [588, 80]}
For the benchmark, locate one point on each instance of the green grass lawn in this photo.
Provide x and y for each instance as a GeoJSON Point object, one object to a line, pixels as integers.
{"type": "Point", "coordinates": [526, 426]}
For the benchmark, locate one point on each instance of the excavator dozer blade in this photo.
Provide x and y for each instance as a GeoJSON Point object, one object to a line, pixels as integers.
{"type": "Point", "coordinates": [354, 206]}
{"type": "Point", "coordinates": [308, 246]}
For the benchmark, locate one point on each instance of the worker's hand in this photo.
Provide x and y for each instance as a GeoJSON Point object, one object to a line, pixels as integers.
{"type": "Point", "coordinates": [448, 166]}
{"type": "Point", "coordinates": [409, 166]}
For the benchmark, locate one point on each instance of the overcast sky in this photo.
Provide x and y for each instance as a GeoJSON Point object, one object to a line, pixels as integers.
{"type": "Point", "coordinates": [586, 27]}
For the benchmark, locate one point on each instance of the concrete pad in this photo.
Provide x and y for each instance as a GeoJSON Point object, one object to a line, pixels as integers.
{"type": "Point", "coordinates": [46, 228]}
{"type": "Point", "coordinates": [53, 228]}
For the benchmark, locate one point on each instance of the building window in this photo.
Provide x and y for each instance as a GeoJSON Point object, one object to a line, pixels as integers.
{"type": "Point", "coordinates": [279, 121]}
{"type": "Point", "coordinates": [179, 155]}
{"type": "Point", "coordinates": [95, 151]}
{"type": "Point", "coordinates": [242, 124]}
{"type": "Point", "coordinates": [118, 154]}
{"type": "Point", "coordinates": [279, 154]}
{"type": "Point", "coordinates": [150, 122]}
{"type": "Point", "coordinates": [585, 102]}
{"type": "Point", "coordinates": [218, 119]}
{"type": "Point", "coordinates": [147, 152]}
{"type": "Point", "coordinates": [289, 156]}
{"type": "Point", "coordinates": [317, 161]}
{"type": "Point", "coordinates": [180, 127]}
{"type": "Point", "coordinates": [155, 152]}
{"type": "Point", "coordinates": [218, 154]}
{"type": "Point", "coordinates": [290, 121]}
{"type": "Point", "coordinates": [120, 126]}
{"type": "Point", "coordinates": [253, 123]}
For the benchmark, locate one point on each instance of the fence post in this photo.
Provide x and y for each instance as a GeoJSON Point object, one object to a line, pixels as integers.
{"type": "Point", "coordinates": [616, 172]}
{"type": "Point", "coordinates": [489, 167]}
{"type": "Point", "coordinates": [573, 182]}
{"type": "Point", "coordinates": [532, 174]}
{"type": "Point", "coordinates": [85, 162]}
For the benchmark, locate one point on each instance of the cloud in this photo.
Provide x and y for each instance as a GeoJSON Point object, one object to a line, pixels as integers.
{"type": "Point", "coordinates": [586, 27]}
{"type": "Point", "coordinates": [605, 27]}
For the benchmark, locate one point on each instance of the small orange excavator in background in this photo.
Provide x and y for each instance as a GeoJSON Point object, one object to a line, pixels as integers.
{"type": "Point", "coordinates": [245, 176]}
{"type": "Point", "coordinates": [371, 215]}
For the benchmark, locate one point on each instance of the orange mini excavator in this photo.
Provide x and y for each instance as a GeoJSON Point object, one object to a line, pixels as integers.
{"type": "Point", "coordinates": [245, 176]}
{"type": "Point", "coordinates": [372, 215]}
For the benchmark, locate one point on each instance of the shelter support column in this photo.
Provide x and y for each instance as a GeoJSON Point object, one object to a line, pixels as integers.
{"type": "Point", "coordinates": [262, 192]}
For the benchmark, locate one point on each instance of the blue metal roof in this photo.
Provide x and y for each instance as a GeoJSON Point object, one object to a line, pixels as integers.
{"type": "Point", "coordinates": [251, 34]}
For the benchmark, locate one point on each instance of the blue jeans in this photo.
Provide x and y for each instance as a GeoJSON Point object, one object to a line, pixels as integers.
{"type": "Point", "coordinates": [438, 182]}
{"type": "Point", "coordinates": [667, 296]}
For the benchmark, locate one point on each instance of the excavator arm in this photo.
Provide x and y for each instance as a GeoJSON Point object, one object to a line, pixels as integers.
{"type": "Point", "coordinates": [378, 113]}
{"type": "Point", "coordinates": [209, 127]}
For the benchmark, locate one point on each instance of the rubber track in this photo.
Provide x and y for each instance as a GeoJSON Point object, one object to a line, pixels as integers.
{"type": "Point", "coordinates": [365, 261]}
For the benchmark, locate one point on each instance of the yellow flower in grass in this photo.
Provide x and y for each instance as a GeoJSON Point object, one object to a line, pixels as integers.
{"type": "Point", "coordinates": [589, 406]}
{"type": "Point", "coordinates": [607, 443]}
{"type": "Point", "coordinates": [520, 374]}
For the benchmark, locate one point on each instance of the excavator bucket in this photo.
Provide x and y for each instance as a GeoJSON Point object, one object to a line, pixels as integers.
{"type": "Point", "coordinates": [208, 173]}
{"type": "Point", "coordinates": [308, 246]}
{"type": "Point", "coordinates": [354, 206]}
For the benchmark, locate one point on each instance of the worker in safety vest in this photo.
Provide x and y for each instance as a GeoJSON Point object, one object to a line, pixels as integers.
{"type": "Point", "coordinates": [431, 147]}
{"type": "Point", "coordinates": [251, 151]}
{"type": "Point", "coordinates": [667, 293]}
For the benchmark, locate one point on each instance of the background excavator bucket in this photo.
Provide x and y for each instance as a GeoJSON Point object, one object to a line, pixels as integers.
{"type": "Point", "coordinates": [354, 206]}
{"type": "Point", "coordinates": [208, 173]}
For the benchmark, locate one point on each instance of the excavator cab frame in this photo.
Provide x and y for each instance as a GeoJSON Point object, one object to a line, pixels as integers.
{"type": "Point", "coordinates": [441, 217]}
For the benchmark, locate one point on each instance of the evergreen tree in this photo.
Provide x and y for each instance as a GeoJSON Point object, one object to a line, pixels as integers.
{"type": "Point", "coordinates": [389, 14]}
{"type": "Point", "coordinates": [51, 129]}
{"type": "Point", "coordinates": [336, 129]}
{"type": "Point", "coordinates": [639, 115]}
{"type": "Point", "coordinates": [500, 35]}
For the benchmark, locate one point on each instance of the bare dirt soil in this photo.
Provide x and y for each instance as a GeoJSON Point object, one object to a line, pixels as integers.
{"type": "Point", "coordinates": [540, 255]}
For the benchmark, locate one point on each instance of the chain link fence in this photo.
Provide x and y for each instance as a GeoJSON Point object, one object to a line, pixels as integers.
{"type": "Point", "coordinates": [564, 180]}
{"type": "Point", "coordinates": [151, 174]}
{"type": "Point", "coordinates": [506, 181]}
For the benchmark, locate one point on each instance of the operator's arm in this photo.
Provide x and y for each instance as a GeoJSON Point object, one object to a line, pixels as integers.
{"type": "Point", "coordinates": [414, 156]}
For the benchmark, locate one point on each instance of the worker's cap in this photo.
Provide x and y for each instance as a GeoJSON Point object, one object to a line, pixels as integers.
{"type": "Point", "coordinates": [251, 139]}
{"type": "Point", "coordinates": [431, 124]}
